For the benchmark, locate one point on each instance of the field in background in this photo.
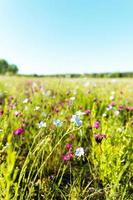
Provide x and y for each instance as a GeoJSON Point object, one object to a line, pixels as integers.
{"type": "Point", "coordinates": [63, 138]}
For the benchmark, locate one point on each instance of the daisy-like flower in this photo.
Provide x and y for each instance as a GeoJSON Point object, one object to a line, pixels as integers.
{"type": "Point", "coordinates": [18, 131]}
{"type": "Point", "coordinates": [17, 113]}
{"type": "Point", "coordinates": [76, 120]}
{"type": "Point", "coordinates": [41, 124]}
{"type": "Point", "coordinates": [79, 152]}
{"type": "Point", "coordinates": [57, 122]}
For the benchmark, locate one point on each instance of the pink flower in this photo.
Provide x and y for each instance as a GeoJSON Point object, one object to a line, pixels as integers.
{"type": "Point", "coordinates": [96, 124]}
{"type": "Point", "coordinates": [99, 137]}
{"type": "Point", "coordinates": [68, 146]}
{"type": "Point", "coordinates": [87, 112]}
{"type": "Point", "coordinates": [68, 156]}
{"type": "Point", "coordinates": [18, 131]}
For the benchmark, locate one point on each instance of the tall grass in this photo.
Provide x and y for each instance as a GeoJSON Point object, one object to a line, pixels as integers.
{"type": "Point", "coordinates": [35, 164]}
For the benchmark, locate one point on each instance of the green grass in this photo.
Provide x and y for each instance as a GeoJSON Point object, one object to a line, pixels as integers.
{"type": "Point", "coordinates": [32, 165]}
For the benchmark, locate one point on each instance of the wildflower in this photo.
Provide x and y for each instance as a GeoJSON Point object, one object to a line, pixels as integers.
{"type": "Point", "coordinates": [25, 100]}
{"type": "Point", "coordinates": [99, 137]}
{"type": "Point", "coordinates": [68, 156]}
{"type": "Point", "coordinates": [111, 97]}
{"type": "Point", "coordinates": [79, 152]}
{"type": "Point", "coordinates": [116, 112]}
{"type": "Point", "coordinates": [87, 112]}
{"type": "Point", "coordinates": [41, 124]}
{"type": "Point", "coordinates": [76, 120]}
{"type": "Point", "coordinates": [79, 113]}
{"type": "Point", "coordinates": [68, 146]}
{"type": "Point", "coordinates": [96, 124]}
{"type": "Point", "coordinates": [18, 131]}
{"type": "Point", "coordinates": [113, 103]}
{"type": "Point", "coordinates": [109, 107]}
{"type": "Point", "coordinates": [17, 113]}
{"type": "Point", "coordinates": [57, 122]}
{"type": "Point", "coordinates": [104, 115]}
{"type": "Point", "coordinates": [121, 107]}
{"type": "Point", "coordinates": [72, 98]}
{"type": "Point", "coordinates": [37, 108]}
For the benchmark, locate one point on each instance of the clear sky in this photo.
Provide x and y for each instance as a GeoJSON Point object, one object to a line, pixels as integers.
{"type": "Point", "coordinates": [66, 36]}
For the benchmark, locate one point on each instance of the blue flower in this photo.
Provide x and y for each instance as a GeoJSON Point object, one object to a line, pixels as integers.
{"type": "Point", "coordinates": [76, 120]}
{"type": "Point", "coordinates": [57, 122]}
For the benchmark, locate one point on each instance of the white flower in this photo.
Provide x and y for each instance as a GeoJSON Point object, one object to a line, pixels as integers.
{"type": "Point", "coordinates": [1, 130]}
{"type": "Point", "coordinates": [116, 112]}
{"type": "Point", "coordinates": [104, 115]}
{"type": "Point", "coordinates": [79, 152]}
{"type": "Point", "coordinates": [41, 124]}
{"type": "Point", "coordinates": [72, 98]}
{"type": "Point", "coordinates": [111, 98]}
{"type": "Point", "coordinates": [120, 130]}
{"type": "Point", "coordinates": [109, 108]}
{"type": "Point", "coordinates": [79, 113]}
{"type": "Point", "coordinates": [57, 122]}
{"type": "Point", "coordinates": [75, 119]}
{"type": "Point", "coordinates": [37, 108]}
{"type": "Point", "coordinates": [25, 100]}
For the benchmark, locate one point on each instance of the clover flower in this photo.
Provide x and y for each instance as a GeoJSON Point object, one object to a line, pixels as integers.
{"type": "Point", "coordinates": [68, 146]}
{"type": "Point", "coordinates": [68, 156]}
{"type": "Point", "coordinates": [96, 124]}
{"type": "Point", "coordinates": [99, 137]}
{"type": "Point", "coordinates": [18, 131]}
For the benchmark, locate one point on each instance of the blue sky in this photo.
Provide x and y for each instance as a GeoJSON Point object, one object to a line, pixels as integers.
{"type": "Point", "coordinates": [67, 36]}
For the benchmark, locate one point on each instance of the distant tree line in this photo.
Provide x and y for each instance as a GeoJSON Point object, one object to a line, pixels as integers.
{"type": "Point", "coordinates": [6, 68]}
{"type": "Point", "coordinates": [92, 75]}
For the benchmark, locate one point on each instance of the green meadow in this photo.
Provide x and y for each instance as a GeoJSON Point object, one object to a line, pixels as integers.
{"type": "Point", "coordinates": [66, 139]}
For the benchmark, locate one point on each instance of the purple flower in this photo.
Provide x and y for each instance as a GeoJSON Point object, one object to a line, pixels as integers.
{"type": "Point", "coordinates": [68, 146]}
{"type": "Point", "coordinates": [18, 131]}
{"type": "Point", "coordinates": [68, 156]}
{"type": "Point", "coordinates": [96, 124]}
{"type": "Point", "coordinates": [99, 137]}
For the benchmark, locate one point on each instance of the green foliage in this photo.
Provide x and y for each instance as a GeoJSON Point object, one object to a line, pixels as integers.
{"type": "Point", "coordinates": [7, 68]}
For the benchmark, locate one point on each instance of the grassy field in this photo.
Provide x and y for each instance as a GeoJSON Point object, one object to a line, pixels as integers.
{"type": "Point", "coordinates": [66, 139]}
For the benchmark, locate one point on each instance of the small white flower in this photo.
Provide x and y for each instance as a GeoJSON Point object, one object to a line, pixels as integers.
{"type": "Point", "coordinates": [72, 98]}
{"type": "Point", "coordinates": [41, 124]}
{"type": "Point", "coordinates": [120, 130]}
{"type": "Point", "coordinates": [79, 113]}
{"type": "Point", "coordinates": [109, 108]}
{"type": "Point", "coordinates": [37, 108]}
{"type": "Point", "coordinates": [116, 112]}
{"type": "Point", "coordinates": [57, 122]}
{"type": "Point", "coordinates": [111, 98]}
{"type": "Point", "coordinates": [79, 152]}
{"type": "Point", "coordinates": [25, 100]}
{"type": "Point", "coordinates": [104, 115]}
